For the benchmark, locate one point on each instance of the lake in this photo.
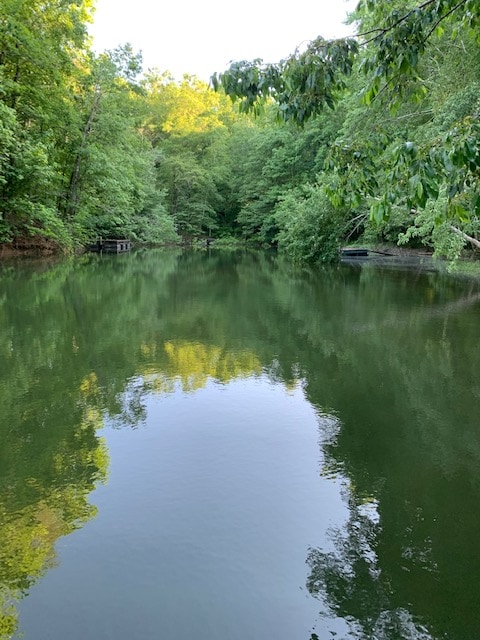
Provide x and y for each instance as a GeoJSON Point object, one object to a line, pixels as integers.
{"type": "Point", "coordinates": [221, 446]}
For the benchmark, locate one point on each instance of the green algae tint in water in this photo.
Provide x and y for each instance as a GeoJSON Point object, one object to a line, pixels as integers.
{"type": "Point", "coordinates": [220, 446]}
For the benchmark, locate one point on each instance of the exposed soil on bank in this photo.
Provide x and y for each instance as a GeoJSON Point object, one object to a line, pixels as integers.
{"type": "Point", "coordinates": [29, 247]}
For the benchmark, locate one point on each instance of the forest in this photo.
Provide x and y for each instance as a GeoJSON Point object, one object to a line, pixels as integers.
{"type": "Point", "coordinates": [371, 139]}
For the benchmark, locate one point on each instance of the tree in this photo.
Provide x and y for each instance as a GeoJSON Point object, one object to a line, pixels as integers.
{"type": "Point", "coordinates": [392, 52]}
{"type": "Point", "coordinates": [188, 125]}
{"type": "Point", "coordinates": [42, 46]}
{"type": "Point", "coordinates": [110, 177]}
{"type": "Point", "coordinates": [75, 161]}
{"type": "Point", "coordinates": [273, 160]}
{"type": "Point", "coordinates": [184, 107]}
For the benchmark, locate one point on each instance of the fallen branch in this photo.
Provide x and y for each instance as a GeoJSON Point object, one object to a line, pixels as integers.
{"type": "Point", "coordinates": [474, 241]}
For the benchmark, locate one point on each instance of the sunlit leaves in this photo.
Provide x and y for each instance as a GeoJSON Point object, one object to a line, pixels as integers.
{"type": "Point", "coordinates": [184, 107]}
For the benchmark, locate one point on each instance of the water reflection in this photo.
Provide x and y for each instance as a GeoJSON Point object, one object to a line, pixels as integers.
{"type": "Point", "coordinates": [180, 366]}
{"type": "Point", "coordinates": [388, 359]}
{"type": "Point", "coordinates": [47, 470]}
{"type": "Point", "coordinates": [192, 364]}
{"type": "Point", "coordinates": [405, 564]}
{"type": "Point", "coordinates": [354, 585]}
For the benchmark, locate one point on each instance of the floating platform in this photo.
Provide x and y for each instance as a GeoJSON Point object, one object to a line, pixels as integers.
{"type": "Point", "coordinates": [359, 256]}
{"type": "Point", "coordinates": [111, 245]}
{"type": "Point", "coordinates": [353, 252]}
{"type": "Point", "coordinates": [362, 252]}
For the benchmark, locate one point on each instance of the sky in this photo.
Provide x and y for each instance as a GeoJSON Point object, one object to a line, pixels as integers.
{"type": "Point", "coordinates": [200, 37]}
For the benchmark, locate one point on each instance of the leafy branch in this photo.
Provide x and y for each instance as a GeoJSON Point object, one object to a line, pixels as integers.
{"type": "Point", "coordinates": [306, 82]}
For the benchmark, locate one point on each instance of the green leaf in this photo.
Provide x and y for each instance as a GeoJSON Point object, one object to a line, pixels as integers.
{"type": "Point", "coordinates": [377, 212]}
{"type": "Point", "coordinates": [419, 190]}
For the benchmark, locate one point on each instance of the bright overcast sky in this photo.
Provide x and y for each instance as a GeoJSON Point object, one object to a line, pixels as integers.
{"type": "Point", "coordinates": [203, 36]}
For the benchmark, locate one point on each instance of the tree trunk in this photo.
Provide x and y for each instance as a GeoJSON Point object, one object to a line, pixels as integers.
{"type": "Point", "coordinates": [73, 187]}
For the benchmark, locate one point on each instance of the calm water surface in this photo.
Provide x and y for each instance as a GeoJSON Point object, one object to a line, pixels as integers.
{"type": "Point", "coordinates": [222, 447]}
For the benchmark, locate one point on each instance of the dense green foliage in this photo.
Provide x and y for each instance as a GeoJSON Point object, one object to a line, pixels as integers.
{"type": "Point", "coordinates": [406, 157]}
{"type": "Point", "coordinates": [375, 137]}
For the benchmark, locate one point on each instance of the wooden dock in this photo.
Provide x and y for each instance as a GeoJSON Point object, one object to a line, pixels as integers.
{"type": "Point", "coordinates": [362, 252]}
{"type": "Point", "coordinates": [353, 252]}
{"type": "Point", "coordinates": [111, 245]}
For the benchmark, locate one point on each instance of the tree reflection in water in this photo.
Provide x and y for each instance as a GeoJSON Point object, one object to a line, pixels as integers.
{"type": "Point", "coordinates": [395, 357]}
{"type": "Point", "coordinates": [351, 583]}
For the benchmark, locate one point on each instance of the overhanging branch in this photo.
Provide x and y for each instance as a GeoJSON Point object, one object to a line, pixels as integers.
{"type": "Point", "coordinates": [474, 241]}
